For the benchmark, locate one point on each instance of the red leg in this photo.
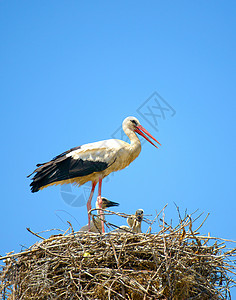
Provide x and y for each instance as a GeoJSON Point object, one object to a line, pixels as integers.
{"type": "Point", "coordinates": [100, 203]}
{"type": "Point", "coordinates": [89, 202]}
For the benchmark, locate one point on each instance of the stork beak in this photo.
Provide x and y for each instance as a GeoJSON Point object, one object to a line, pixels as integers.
{"type": "Point", "coordinates": [141, 130]}
{"type": "Point", "coordinates": [108, 203]}
{"type": "Point", "coordinates": [111, 203]}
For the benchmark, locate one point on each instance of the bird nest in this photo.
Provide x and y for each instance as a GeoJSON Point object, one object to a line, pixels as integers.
{"type": "Point", "coordinates": [175, 263]}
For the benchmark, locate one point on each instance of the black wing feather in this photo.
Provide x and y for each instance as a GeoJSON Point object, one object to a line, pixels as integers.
{"type": "Point", "coordinates": [66, 152]}
{"type": "Point", "coordinates": [62, 167]}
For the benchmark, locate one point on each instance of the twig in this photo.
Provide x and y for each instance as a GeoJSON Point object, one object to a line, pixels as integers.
{"type": "Point", "coordinates": [35, 234]}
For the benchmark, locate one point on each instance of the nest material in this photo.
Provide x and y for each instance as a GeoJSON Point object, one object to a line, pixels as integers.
{"type": "Point", "coordinates": [176, 263]}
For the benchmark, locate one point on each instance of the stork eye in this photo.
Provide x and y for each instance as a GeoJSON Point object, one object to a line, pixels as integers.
{"type": "Point", "coordinates": [134, 122]}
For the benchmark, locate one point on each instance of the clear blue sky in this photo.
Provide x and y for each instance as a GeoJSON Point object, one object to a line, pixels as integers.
{"type": "Point", "coordinates": [71, 71]}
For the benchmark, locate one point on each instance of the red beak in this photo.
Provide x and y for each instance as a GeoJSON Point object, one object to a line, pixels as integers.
{"type": "Point", "coordinates": [138, 130]}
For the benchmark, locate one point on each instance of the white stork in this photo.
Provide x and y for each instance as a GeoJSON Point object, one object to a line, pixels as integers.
{"type": "Point", "coordinates": [96, 225]}
{"type": "Point", "coordinates": [92, 162]}
{"type": "Point", "coordinates": [134, 222]}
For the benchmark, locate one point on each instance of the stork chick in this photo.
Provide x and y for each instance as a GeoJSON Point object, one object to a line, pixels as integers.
{"type": "Point", "coordinates": [134, 222]}
{"type": "Point", "coordinates": [96, 225]}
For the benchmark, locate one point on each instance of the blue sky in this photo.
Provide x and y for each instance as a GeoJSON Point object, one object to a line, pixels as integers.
{"type": "Point", "coordinates": [71, 71]}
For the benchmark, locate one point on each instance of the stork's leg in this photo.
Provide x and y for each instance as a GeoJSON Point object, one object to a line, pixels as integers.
{"type": "Point", "coordinates": [89, 203]}
{"type": "Point", "coordinates": [100, 203]}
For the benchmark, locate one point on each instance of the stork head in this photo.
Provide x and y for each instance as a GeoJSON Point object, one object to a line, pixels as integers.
{"type": "Point", "coordinates": [106, 203]}
{"type": "Point", "coordinates": [139, 214]}
{"type": "Point", "coordinates": [133, 124]}
{"type": "Point", "coordinates": [134, 221]}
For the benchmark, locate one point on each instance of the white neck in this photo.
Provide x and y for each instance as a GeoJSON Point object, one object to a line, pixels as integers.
{"type": "Point", "coordinates": [134, 140]}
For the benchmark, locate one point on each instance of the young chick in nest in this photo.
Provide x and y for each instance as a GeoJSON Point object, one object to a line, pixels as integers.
{"type": "Point", "coordinates": [134, 222]}
{"type": "Point", "coordinates": [96, 225]}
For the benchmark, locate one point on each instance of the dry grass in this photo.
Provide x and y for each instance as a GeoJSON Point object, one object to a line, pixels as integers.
{"type": "Point", "coordinates": [175, 263]}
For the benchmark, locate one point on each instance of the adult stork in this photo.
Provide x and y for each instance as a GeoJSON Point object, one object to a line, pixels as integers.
{"type": "Point", "coordinates": [92, 162]}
